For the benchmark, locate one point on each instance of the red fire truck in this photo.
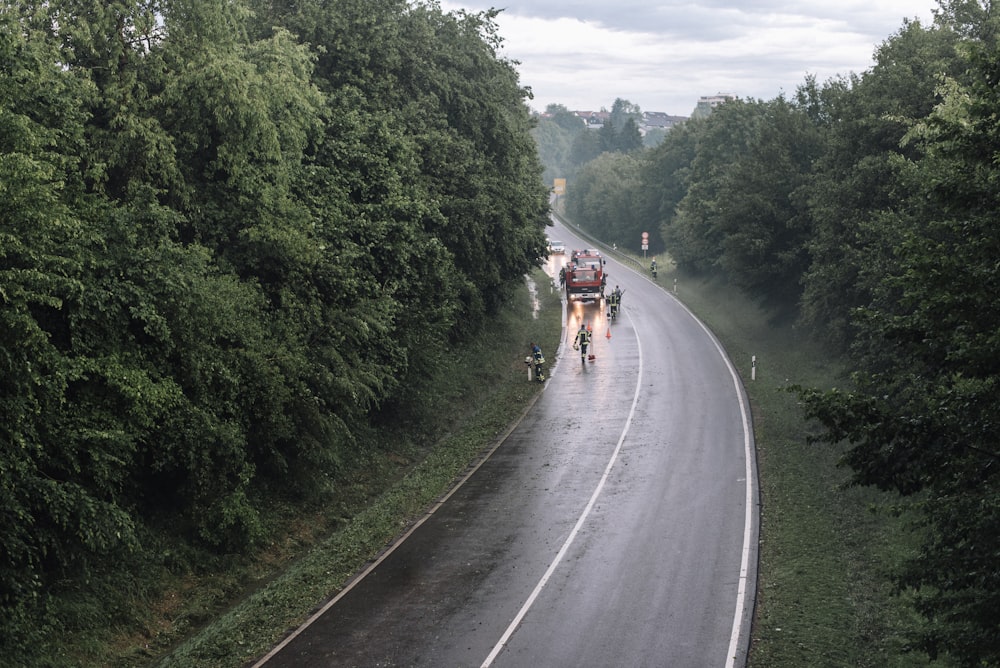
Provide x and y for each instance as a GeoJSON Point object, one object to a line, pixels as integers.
{"type": "Point", "coordinates": [585, 277]}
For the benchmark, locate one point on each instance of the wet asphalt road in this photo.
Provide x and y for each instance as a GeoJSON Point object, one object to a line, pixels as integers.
{"type": "Point", "coordinates": [614, 526]}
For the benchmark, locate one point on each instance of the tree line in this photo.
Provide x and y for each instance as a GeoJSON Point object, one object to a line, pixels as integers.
{"type": "Point", "coordinates": [234, 237]}
{"type": "Point", "coordinates": [863, 209]}
{"type": "Point", "coordinates": [566, 142]}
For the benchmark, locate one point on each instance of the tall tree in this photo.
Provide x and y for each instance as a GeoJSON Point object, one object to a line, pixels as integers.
{"type": "Point", "coordinates": [59, 505]}
{"type": "Point", "coordinates": [762, 213]}
{"type": "Point", "coordinates": [232, 239]}
{"type": "Point", "coordinates": [554, 134]}
{"type": "Point", "coordinates": [604, 198]}
{"type": "Point", "coordinates": [629, 138]}
{"type": "Point", "coordinates": [622, 111]}
{"type": "Point", "coordinates": [863, 119]}
{"type": "Point", "coordinates": [666, 181]}
{"type": "Point", "coordinates": [585, 148]}
{"type": "Point", "coordinates": [565, 119]}
{"type": "Point", "coordinates": [736, 216]}
{"type": "Point", "coordinates": [921, 417]}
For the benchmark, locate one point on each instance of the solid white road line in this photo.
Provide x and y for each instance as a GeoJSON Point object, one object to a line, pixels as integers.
{"type": "Point", "coordinates": [576, 529]}
{"type": "Point", "coordinates": [741, 591]}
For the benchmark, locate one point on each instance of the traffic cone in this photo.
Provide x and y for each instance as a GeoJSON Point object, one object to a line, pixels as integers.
{"type": "Point", "coordinates": [608, 335]}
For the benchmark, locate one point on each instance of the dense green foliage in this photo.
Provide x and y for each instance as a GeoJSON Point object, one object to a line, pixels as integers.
{"type": "Point", "coordinates": [745, 209]}
{"type": "Point", "coordinates": [603, 181]}
{"type": "Point", "coordinates": [566, 144]}
{"type": "Point", "coordinates": [555, 136]}
{"type": "Point", "coordinates": [864, 209]}
{"type": "Point", "coordinates": [233, 238]}
{"type": "Point", "coordinates": [468, 405]}
{"type": "Point", "coordinates": [922, 415]}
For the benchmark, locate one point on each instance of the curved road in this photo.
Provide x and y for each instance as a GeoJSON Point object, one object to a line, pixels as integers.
{"type": "Point", "coordinates": [616, 525]}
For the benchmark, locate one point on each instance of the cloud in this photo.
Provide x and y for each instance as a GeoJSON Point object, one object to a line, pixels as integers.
{"type": "Point", "coordinates": [664, 55]}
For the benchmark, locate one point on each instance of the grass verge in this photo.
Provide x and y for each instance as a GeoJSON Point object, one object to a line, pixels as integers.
{"type": "Point", "coordinates": [827, 549]}
{"type": "Point", "coordinates": [824, 594]}
{"type": "Point", "coordinates": [231, 616]}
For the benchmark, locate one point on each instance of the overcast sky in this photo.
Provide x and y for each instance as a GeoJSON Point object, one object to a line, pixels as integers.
{"type": "Point", "coordinates": [664, 55]}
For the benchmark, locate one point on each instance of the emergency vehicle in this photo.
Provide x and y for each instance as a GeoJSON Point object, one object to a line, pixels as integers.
{"type": "Point", "coordinates": [585, 279]}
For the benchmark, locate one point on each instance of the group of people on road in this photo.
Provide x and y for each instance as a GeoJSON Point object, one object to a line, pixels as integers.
{"type": "Point", "coordinates": [537, 360]}
{"type": "Point", "coordinates": [584, 335]}
{"type": "Point", "coordinates": [615, 302]}
{"type": "Point", "coordinates": [582, 340]}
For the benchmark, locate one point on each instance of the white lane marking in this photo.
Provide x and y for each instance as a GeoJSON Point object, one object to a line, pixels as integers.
{"type": "Point", "coordinates": [741, 590]}
{"type": "Point", "coordinates": [576, 529]}
{"type": "Point", "coordinates": [385, 555]}
{"type": "Point", "coordinates": [416, 525]}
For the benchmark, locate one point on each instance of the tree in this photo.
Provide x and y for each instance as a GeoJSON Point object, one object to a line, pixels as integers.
{"type": "Point", "coordinates": [629, 138]}
{"type": "Point", "coordinates": [762, 213]}
{"type": "Point", "coordinates": [554, 135]}
{"type": "Point", "coordinates": [921, 416]}
{"type": "Point", "coordinates": [863, 119]}
{"type": "Point", "coordinates": [740, 218]}
{"type": "Point", "coordinates": [665, 180]}
{"type": "Point", "coordinates": [55, 519]}
{"type": "Point", "coordinates": [494, 200]}
{"type": "Point", "coordinates": [622, 111]}
{"type": "Point", "coordinates": [236, 236]}
{"type": "Point", "coordinates": [565, 119]}
{"type": "Point", "coordinates": [654, 137]}
{"type": "Point", "coordinates": [586, 146]}
{"type": "Point", "coordinates": [603, 199]}
{"type": "Point", "coordinates": [607, 137]}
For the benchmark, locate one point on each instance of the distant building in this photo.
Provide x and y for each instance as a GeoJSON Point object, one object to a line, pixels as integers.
{"type": "Point", "coordinates": [594, 119]}
{"type": "Point", "coordinates": [707, 103]}
{"type": "Point", "coordinates": [651, 120]}
{"type": "Point", "coordinates": [658, 120]}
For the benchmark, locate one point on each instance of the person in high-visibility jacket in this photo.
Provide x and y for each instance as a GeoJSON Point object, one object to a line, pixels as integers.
{"type": "Point", "coordinates": [614, 302]}
{"type": "Point", "coordinates": [582, 341]}
{"type": "Point", "coordinates": [539, 361]}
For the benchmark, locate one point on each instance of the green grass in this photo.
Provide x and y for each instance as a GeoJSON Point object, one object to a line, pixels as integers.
{"type": "Point", "coordinates": [824, 594]}
{"type": "Point", "coordinates": [477, 399]}
{"type": "Point", "coordinates": [826, 549]}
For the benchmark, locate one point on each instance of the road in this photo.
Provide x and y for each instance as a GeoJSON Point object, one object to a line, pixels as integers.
{"type": "Point", "coordinates": [616, 525]}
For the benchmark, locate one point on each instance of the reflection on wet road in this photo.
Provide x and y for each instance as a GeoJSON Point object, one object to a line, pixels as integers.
{"type": "Point", "coordinates": [615, 526]}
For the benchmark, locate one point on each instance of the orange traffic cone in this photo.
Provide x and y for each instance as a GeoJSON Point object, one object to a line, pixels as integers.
{"type": "Point", "coordinates": [608, 335]}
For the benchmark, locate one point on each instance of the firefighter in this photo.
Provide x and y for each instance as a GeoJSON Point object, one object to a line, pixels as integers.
{"type": "Point", "coordinates": [582, 341]}
{"type": "Point", "coordinates": [614, 301]}
{"type": "Point", "coordinates": [652, 267]}
{"type": "Point", "coordinates": [539, 361]}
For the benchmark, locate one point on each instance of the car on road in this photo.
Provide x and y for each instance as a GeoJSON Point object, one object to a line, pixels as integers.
{"type": "Point", "coordinates": [557, 248]}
